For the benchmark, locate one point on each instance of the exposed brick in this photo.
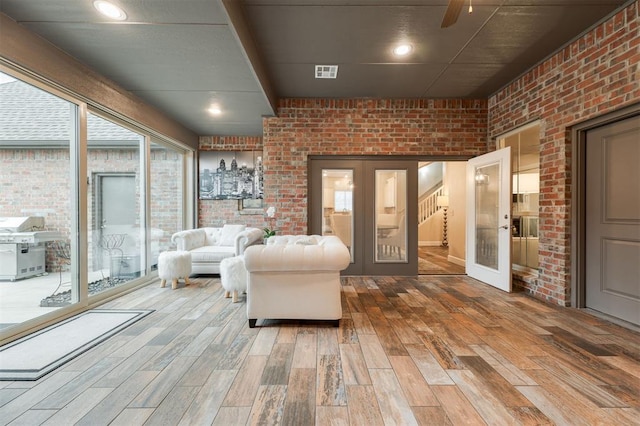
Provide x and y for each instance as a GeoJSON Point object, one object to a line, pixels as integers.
{"type": "Point", "coordinates": [599, 74]}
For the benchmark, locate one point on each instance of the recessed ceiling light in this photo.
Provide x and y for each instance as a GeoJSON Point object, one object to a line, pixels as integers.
{"type": "Point", "coordinates": [214, 110]}
{"type": "Point", "coordinates": [110, 10]}
{"type": "Point", "coordinates": [402, 49]}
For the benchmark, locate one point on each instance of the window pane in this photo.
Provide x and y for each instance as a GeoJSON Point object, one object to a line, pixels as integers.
{"type": "Point", "coordinates": [36, 135]}
{"type": "Point", "coordinates": [337, 205]}
{"type": "Point", "coordinates": [116, 232]}
{"type": "Point", "coordinates": [486, 220]}
{"type": "Point", "coordinates": [525, 165]}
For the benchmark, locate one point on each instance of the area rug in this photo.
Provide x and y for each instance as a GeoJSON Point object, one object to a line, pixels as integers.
{"type": "Point", "coordinates": [37, 354]}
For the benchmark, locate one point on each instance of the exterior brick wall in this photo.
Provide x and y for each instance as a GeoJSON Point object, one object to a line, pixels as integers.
{"type": "Point", "coordinates": [35, 182]}
{"type": "Point", "coordinates": [596, 74]}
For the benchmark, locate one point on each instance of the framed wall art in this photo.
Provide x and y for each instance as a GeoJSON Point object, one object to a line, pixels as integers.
{"type": "Point", "coordinates": [230, 175]}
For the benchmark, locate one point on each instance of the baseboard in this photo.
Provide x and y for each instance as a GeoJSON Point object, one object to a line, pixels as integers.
{"type": "Point", "coordinates": [456, 261]}
{"type": "Point", "coordinates": [429, 243]}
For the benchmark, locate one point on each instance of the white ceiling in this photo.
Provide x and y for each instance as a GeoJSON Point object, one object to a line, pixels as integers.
{"type": "Point", "coordinates": [182, 56]}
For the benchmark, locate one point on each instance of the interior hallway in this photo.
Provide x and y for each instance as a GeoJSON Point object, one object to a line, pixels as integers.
{"type": "Point", "coordinates": [432, 260]}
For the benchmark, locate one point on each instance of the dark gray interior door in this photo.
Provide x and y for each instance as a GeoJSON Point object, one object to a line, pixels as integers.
{"type": "Point", "coordinates": [613, 220]}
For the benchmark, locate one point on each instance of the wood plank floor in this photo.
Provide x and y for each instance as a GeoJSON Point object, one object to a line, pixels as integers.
{"type": "Point", "coordinates": [433, 260]}
{"type": "Point", "coordinates": [433, 350]}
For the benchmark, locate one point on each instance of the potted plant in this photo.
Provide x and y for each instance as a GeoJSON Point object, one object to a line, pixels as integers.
{"type": "Point", "coordinates": [270, 231]}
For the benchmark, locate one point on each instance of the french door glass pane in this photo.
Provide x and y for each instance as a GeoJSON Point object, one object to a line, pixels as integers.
{"type": "Point", "coordinates": [391, 216]}
{"type": "Point", "coordinates": [116, 233]}
{"type": "Point", "coordinates": [337, 205]}
{"type": "Point", "coordinates": [36, 136]}
{"type": "Point", "coordinates": [487, 210]}
{"type": "Point", "coordinates": [525, 167]}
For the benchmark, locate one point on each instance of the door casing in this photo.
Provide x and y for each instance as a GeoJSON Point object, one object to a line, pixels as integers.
{"type": "Point", "coordinates": [578, 195]}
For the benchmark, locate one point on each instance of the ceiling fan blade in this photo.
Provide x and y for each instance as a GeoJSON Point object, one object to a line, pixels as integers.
{"type": "Point", "coordinates": [452, 13]}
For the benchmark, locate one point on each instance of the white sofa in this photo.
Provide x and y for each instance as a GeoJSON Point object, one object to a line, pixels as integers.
{"type": "Point", "coordinates": [295, 277]}
{"type": "Point", "coordinates": [208, 246]}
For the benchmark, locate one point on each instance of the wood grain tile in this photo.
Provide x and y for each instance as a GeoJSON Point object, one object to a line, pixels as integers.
{"type": "Point", "coordinates": [110, 407]}
{"type": "Point", "coordinates": [232, 416]}
{"type": "Point", "coordinates": [363, 406]}
{"type": "Point", "coordinates": [466, 352]}
{"type": "Point", "coordinates": [304, 353]}
{"type": "Point", "coordinates": [413, 385]}
{"type": "Point", "coordinates": [428, 366]}
{"type": "Point", "coordinates": [494, 382]}
{"type": "Point", "coordinates": [354, 367]}
{"type": "Point", "coordinates": [268, 406]}
{"type": "Point", "coordinates": [374, 355]}
{"type": "Point", "coordinates": [299, 407]}
{"type": "Point", "coordinates": [428, 416]}
{"type": "Point", "coordinates": [245, 386]}
{"type": "Point", "coordinates": [330, 381]}
{"type": "Point", "coordinates": [490, 407]}
{"type": "Point", "coordinates": [394, 407]}
{"type": "Point", "coordinates": [206, 401]}
{"type": "Point", "coordinates": [276, 372]}
{"type": "Point", "coordinates": [459, 410]}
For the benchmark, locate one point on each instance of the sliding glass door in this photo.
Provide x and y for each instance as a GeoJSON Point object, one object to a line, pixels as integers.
{"type": "Point", "coordinates": [88, 201]}
{"type": "Point", "coordinates": [38, 234]}
{"type": "Point", "coordinates": [366, 204]}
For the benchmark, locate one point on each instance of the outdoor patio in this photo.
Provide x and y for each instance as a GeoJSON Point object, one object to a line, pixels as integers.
{"type": "Point", "coordinates": [22, 299]}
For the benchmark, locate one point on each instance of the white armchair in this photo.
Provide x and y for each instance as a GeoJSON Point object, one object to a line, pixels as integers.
{"type": "Point", "coordinates": [295, 277]}
{"type": "Point", "coordinates": [208, 246]}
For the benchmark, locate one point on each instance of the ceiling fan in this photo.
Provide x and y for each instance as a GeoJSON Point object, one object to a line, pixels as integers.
{"type": "Point", "coordinates": [453, 11]}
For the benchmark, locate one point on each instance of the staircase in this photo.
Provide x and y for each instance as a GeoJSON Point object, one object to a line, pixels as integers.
{"type": "Point", "coordinates": [428, 206]}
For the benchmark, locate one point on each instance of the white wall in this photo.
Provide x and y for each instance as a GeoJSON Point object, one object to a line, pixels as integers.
{"type": "Point", "coordinates": [455, 188]}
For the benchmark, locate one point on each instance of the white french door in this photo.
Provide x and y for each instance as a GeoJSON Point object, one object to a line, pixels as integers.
{"type": "Point", "coordinates": [489, 218]}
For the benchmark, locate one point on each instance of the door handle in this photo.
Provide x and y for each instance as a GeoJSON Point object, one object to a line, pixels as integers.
{"type": "Point", "coordinates": [504, 227]}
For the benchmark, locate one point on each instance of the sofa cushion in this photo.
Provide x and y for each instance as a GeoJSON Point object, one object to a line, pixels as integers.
{"type": "Point", "coordinates": [229, 233]}
{"type": "Point", "coordinates": [307, 241]}
{"type": "Point", "coordinates": [294, 239]}
{"type": "Point", "coordinates": [209, 254]}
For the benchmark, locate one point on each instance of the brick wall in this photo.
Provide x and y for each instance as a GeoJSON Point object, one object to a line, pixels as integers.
{"type": "Point", "coordinates": [306, 127]}
{"type": "Point", "coordinates": [592, 76]}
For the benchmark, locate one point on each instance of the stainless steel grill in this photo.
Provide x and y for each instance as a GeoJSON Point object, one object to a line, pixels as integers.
{"type": "Point", "coordinates": [22, 251]}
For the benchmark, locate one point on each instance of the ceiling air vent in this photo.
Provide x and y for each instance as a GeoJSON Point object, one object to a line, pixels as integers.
{"type": "Point", "coordinates": [326, 71]}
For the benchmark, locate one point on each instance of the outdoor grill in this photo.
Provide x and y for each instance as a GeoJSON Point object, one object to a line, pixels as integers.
{"type": "Point", "coordinates": [22, 251]}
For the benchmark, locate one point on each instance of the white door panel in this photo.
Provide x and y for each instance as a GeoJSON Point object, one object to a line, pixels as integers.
{"type": "Point", "coordinates": [489, 218]}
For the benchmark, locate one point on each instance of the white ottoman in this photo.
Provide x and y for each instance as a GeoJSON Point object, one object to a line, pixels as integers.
{"type": "Point", "coordinates": [233, 276]}
{"type": "Point", "coordinates": [173, 265]}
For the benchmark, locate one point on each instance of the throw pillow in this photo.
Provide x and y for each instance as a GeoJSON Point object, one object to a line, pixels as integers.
{"type": "Point", "coordinates": [229, 233]}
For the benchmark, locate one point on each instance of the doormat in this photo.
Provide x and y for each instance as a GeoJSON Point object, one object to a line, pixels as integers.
{"type": "Point", "coordinates": [37, 354]}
